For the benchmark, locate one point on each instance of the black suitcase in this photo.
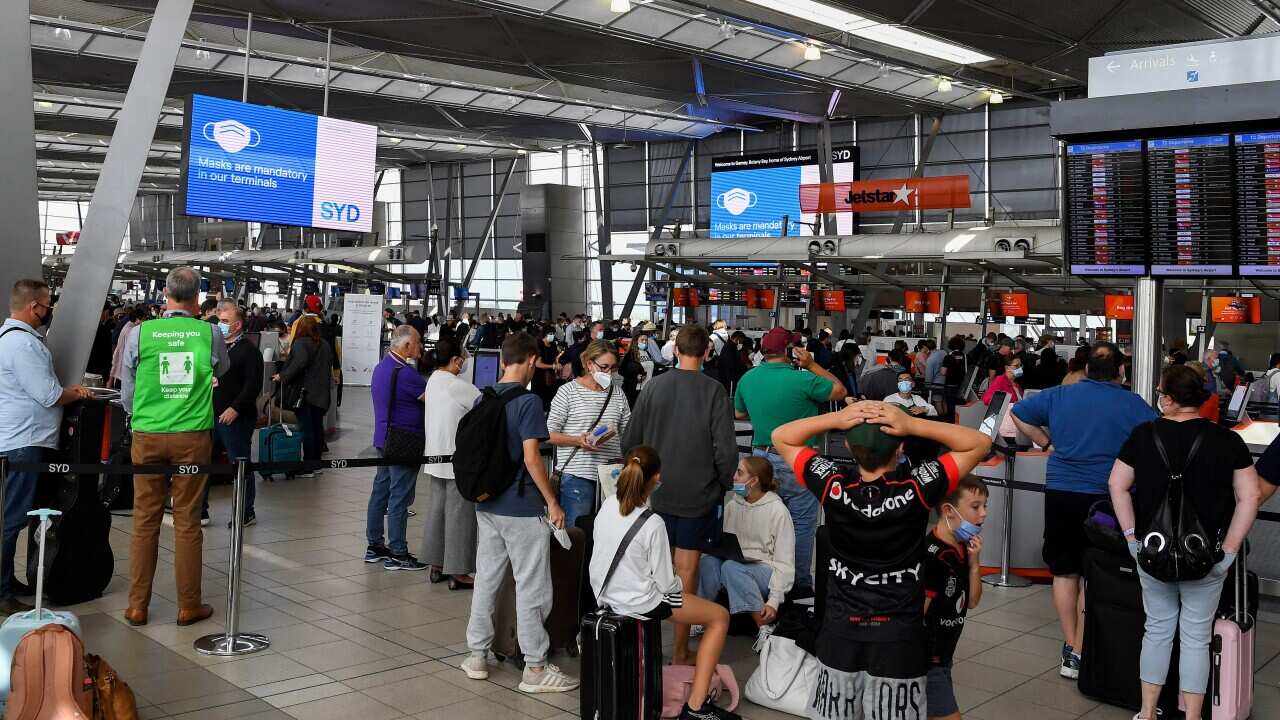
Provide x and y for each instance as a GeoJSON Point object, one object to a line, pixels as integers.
{"type": "Point", "coordinates": [1113, 628]}
{"type": "Point", "coordinates": [621, 668]}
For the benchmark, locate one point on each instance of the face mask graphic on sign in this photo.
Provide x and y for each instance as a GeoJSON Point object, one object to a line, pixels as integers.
{"type": "Point", "coordinates": [737, 200]}
{"type": "Point", "coordinates": [231, 135]}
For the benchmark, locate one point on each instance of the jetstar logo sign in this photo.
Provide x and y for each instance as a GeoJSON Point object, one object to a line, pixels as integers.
{"type": "Point", "coordinates": [932, 193]}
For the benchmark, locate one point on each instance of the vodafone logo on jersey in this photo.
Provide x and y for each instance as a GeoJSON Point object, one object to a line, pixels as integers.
{"type": "Point", "coordinates": [931, 193]}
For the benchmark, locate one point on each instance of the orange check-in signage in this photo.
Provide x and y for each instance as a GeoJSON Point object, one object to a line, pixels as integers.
{"type": "Point", "coordinates": [929, 193]}
{"type": "Point", "coordinates": [1236, 309]}
{"type": "Point", "coordinates": [1119, 307]}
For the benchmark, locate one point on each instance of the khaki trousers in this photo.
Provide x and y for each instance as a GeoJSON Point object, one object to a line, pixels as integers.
{"type": "Point", "coordinates": [149, 492]}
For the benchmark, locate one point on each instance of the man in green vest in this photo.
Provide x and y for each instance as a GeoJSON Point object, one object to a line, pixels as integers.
{"type": "Point", "coordinates": [166, 385]}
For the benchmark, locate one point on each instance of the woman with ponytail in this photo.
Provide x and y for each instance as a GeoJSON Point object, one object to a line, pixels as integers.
{"type": "Point", "coordinates": [645, 585]}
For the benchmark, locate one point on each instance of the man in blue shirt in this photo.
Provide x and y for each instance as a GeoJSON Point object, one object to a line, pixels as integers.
{"type": "Point", "coordinates": [1087, 423]}
{"type": "Point", "coordinates": [31, 400]}
{"type": "Point", "coordinates": [513, 529]}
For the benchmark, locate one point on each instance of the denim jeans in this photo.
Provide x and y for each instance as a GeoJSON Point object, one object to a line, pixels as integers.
{"type": "Point", "coordinates": [394, 487]}
{"type": "Point", "coordinates": [577, 497]}
{"type": "Point", "coordinates": [747, 584]}
{"type": "Point", "coordinates": [803, 507]}
{"type": "Point", "coordinates": [1186, 608]}
{"type": "Point", "coordinates": [236, 439]}
{"type": "Point", "coordinates": [19, 497]}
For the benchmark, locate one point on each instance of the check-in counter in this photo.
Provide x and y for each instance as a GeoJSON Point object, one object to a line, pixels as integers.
{"type": "Point", "coordinates": [1028, 514]}
{"type": "Point", "coordinates": [1265, 536]}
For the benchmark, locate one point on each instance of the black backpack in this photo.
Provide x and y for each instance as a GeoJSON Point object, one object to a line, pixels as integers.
{"type": "Point", "coordinates": [1175, 547]}
{"type": "Point", "coordinates": [482, 467]}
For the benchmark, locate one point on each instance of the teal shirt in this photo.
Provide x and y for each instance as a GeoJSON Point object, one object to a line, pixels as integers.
{"type": "Point", "coordinates": [774, 393]}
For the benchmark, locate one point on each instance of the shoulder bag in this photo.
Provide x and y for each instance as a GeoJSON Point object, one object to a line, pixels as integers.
{"type": "Point", "coordinates": [402, 446]}
{"type": "Point", "coordinates": [556, 474]}
{"type": "Point", "coordinates": [1175, 547]}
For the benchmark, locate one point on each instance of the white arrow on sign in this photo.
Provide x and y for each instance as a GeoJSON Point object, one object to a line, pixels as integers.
{"type": "Point", "coordinates": [1113, 66]}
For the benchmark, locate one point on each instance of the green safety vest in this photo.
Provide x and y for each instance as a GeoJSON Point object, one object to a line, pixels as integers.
{"type": "Point", "coordinates": [173, 390]}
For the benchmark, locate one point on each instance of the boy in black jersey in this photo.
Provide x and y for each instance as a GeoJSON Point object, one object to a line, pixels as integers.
{"type": "Point", "coordinates": [952, 586]}
{"type": "Point", "coordinates": [872, 646]}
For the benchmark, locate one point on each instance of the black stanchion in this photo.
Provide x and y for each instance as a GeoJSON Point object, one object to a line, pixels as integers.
{"type": "Point", "coordinates": [234, 642]}
{"type": "Point", "coordinates": [1006, 578]}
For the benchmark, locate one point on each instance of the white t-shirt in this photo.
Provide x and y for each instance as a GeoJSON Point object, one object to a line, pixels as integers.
{"type": "Point", "coordinates": [645, 576]}
{"type": "Point", "coordinates": [913, 401]}
{"type": "Point", "coordinates": [447, 399]}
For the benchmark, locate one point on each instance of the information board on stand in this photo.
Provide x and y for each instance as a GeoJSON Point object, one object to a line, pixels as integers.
{"type": "Point", "coordinates": [1257, 184]}
{"type": "Point", "coordinates": [361, 338]}
{"type": "Point", "coordinates": [1189, 191]}
{"type": "Point", "coordinates": [1106, 209]}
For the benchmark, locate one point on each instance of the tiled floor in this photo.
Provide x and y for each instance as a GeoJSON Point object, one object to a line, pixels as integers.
{"type": "Point", "coordinates": [350, 641]}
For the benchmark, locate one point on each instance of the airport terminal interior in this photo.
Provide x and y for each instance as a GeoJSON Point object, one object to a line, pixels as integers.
{"type": "Point", "coordinates": [1014, 233]}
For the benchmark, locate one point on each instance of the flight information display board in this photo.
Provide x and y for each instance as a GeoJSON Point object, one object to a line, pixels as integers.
{"type": "Point", "coordinates": [1257, 181]}
{"type": "Point", "coordinates": [1106, 209]}
{"type": "Point", "coordinates": [1190, 210]}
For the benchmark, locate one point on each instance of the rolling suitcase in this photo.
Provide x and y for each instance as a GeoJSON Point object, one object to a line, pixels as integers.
{"type": "Point", "coordinates": [1230, 695]}
{"type": "Point", "coordinates": [567, 567]}
{"type": "Point", "coordinates": [19, 624]}
{"type": "Point", "coordinates": [621, 658]}
{"type": "Point", "coordinates": [1113, 628]}
{"type": "Point", "coordinates": [278, 442]}
{"type": "Point", "coordinates": [76, 548]}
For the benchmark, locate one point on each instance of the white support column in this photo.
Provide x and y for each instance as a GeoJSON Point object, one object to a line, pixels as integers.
{"type": "Point", "coordinates": [89, 275]}
{"type": "Point", "coordinates": [19, 186]}
{"type": "Point", "coordinates": [1147, 295]}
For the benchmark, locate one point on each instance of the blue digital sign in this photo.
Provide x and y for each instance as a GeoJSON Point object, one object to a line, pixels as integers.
{"type": "Point", "coordinates": [264, 164]}
{"type": "Point", "coordinates": [752, 194]}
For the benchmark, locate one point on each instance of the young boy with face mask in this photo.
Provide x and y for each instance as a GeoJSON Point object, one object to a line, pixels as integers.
{"type": "Point", "coordinates": [952, 586]}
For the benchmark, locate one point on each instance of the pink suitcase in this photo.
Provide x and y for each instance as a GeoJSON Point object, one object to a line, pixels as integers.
{"type": "Point", "coordinates": [1230, 691]}
{"type": "Point", "coordinates": [1230, 695]}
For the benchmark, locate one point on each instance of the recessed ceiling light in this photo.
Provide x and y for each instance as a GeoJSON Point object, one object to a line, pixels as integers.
{"type": "Point", "coordinates": [944, 85]}
{"type": "Point", "coordinates": [620, 6]}
{"type": "Point", "coordinates": [727, 31]}
{"type": "Point", "coordinates": [996, 98]}
{"type": "Point", "coordinates": [868, 29]}
{"type": "Point", "coordinates": [812, 52]}
{"type": "Point", "coordinates": [44, 104]}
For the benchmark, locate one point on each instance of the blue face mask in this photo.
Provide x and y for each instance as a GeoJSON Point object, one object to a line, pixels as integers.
{"type": "Point", "coordinates": [1017, 372]}
{"type": "Point", "coordinates": [965, 531]}
{"type": "Point", "coordinates": [905, 386]}
{"type": "Point", "coordinates": [740, 488]}
{"type": "Point", "coordinates": [225, 328]}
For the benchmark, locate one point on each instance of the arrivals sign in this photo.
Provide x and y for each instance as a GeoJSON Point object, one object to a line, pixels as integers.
{"type": "Point", "coordinates": [264, 164]}
{"type": "Point", "coordinates": [931, 193]}
{"type": "Point", "coordinates": [1183, 67]}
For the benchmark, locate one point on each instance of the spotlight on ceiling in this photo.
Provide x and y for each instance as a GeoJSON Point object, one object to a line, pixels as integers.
{"type": "Point", "coordinates": [812, 52]}
{"type": "Point", "coordinates": [201, 54]}
{"type": "Point", "coordinates": [884, 69]}
{"type": "Point", "coordinates": [620, 6]}
{"type": "Point", "coordinates": [727, 31]}
{"type": "Point", "coordinates": [944, 85]}
{"type": "Point", "coordinates": [996, 98]}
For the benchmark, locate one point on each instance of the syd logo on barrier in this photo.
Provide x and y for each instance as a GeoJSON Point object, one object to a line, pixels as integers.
{"type": "Point", "coordinates": [264, 164]}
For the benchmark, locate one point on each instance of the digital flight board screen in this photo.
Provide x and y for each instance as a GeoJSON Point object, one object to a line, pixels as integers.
{"type": "Point", "coordinates": [1106, 209]}
{"type": "Point", "coordinates": [1190, 210]}
{"type": "Point", "coordinates": [1257, 182]}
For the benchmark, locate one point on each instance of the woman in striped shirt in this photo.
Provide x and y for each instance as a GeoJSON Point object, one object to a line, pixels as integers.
{"type": "Point", "coordinates": [597, 393]}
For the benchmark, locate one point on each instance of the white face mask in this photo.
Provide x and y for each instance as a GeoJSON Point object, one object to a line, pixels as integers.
{"type": "Point", "coordinates": [550, 338]}
{"type": "Point", "coordinates": [599, 334]}
{"type": "Point", "coordinates": [603, 379]}
{"type": "Point", "coordinates": [465, 366]}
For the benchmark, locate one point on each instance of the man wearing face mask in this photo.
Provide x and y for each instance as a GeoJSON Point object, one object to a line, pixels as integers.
{"type": "Point", "coordinates": [883, 381]}
{"type": "Point", "coordinates": [235, 400]}
{"type": "Point", "coordinates": [31, 400]}
{"type": "Point", "coordinates": [908, 400]}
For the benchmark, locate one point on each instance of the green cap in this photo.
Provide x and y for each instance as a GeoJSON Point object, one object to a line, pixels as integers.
{"type": "Point", "coordinates": [869, 436]}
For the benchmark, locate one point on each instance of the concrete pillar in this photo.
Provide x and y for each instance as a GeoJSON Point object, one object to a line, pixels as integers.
{"type": "Point", "coordinates": [20, 243]}
{"type": "Point", "coordinates": [89, 276]}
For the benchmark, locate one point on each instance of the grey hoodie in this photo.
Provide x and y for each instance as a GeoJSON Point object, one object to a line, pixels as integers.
{"type": "Point", "coordinates": [687, 418]}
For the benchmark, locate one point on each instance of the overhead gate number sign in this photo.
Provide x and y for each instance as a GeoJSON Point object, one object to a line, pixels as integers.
{"type": "Point", "coordinates": [264, 164]}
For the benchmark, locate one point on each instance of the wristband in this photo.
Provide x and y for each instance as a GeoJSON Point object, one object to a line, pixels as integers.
{"type": "Point", "coordinates": [1130, 533]}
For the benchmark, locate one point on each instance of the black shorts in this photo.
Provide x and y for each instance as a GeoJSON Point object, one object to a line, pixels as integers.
{"type": "Point", "coordinates": [700, 533]}
{"type": "Point", "coordinates": [1064, 539]}
{"type": "Point", "coordinates": [661, 611]}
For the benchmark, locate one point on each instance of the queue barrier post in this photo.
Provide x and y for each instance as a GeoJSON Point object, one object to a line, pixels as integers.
{"type": "Point", "coordinates": [234, 642]}
{"type": "Point", "coordinates": [1005, 578]}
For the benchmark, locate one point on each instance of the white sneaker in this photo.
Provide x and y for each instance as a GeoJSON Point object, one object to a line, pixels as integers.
{"type": "Point", "coordinates": [550, 680]}
{"type": "Point", "coordinates": [476, 667]}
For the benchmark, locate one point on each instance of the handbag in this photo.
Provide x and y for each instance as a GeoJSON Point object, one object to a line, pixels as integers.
{"type": "Point", "coordinates": [785, 678]}
{"type": "Point", "coordinates": [556, 474]}
{"type": "Point", "coordinates": [1175, 547]}
{"type": "Point", "coordinates": [677, 682]}
{"type": "Point", "coordinates": [403, 447]}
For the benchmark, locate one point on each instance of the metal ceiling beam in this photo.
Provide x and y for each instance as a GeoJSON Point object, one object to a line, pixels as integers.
{"type": "Point", "coordinates": [488, 225]}
{"type": "Point", "coordinates": [1194, 13]}
{"type": "Point", "coordinates": [874, 272]}
{"type": "Point", "coordinates": [1267, 9]}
